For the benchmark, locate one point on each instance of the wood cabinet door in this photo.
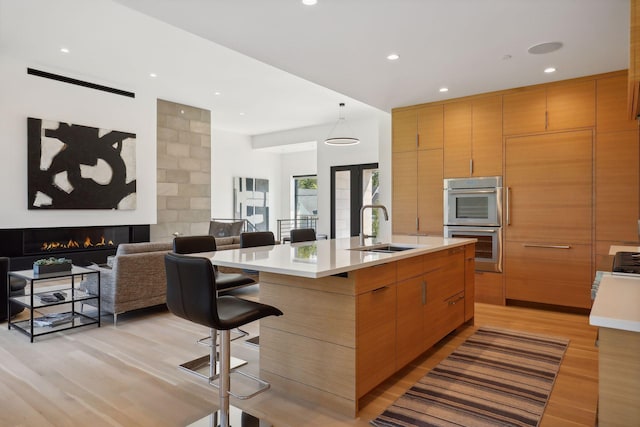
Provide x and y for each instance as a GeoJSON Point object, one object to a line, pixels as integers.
{"type": "Point", "coordinates": [617, 178]}
{"type": "Point", "coordinates": [410, 309]}
{"type": "Point", "coordinates": [486, 130]}
{"type": "Point", "coordinates": [571, 105]}
{"type": "Point", "coordinates": [430, 193]}
{"type": "Point", "coordinates": [443, 284]}
{"type": "Point", "coordinates": [376, 331]}
{"type": "Point", "coordinates": [611, 107]}
{"type": "Point", "coordinates": [550, 275]}
{"type": "Point", "coordinates": [430, 127]}
{"type": "Point", "coordinates": [489, 287]}
{"type": "Point", "coordinates": [404, 131]}
{"type": "Point", "coordinates": [405, 192]}
{"type": "Point", "coordinates": [524, 112]}
{"type": "Point", "coordinates": [457, 139]}
{"type": "Point", "coordinates": [548, 180]}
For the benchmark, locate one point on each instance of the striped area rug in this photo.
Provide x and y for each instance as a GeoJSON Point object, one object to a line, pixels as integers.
{"type": "Point", "coordinates": [497, 377]}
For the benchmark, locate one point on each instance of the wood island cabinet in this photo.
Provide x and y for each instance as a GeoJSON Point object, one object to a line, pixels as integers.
{"type": "Point", "coordinates": [401, 318]}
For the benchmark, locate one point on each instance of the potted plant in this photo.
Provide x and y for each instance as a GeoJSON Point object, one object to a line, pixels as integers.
{"type": "Point", "coordinates": [51, 265]}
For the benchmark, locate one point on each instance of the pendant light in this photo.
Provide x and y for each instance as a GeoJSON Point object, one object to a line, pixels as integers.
{"type": "Point", "coordinates": [339, 135]}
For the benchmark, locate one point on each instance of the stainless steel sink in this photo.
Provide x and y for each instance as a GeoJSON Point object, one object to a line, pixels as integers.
{"type": "Point", "coordinates": [388, 248]}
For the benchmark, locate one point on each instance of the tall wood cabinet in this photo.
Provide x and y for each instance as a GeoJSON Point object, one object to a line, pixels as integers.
{"type": "Point", "coordinates": [616, 168]}
{"type": "Point", "coordinates": [417, 171]}
{"type": "Point", "coordinates": [548, 180]}
{"type": "Point", "coordinates": [569, 154]}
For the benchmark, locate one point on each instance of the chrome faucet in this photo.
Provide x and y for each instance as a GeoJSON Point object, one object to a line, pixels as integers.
{"type": "Point", "coordinates": [386, 217]}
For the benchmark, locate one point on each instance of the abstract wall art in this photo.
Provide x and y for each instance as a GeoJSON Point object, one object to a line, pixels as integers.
{"type": "Point", "coordinates": [72, 166]}
{"type": "Point", "coordinates": [251, 201]}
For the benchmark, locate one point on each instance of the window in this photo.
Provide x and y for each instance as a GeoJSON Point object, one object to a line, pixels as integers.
{"type": "Point", "coordinates": [305, 200]}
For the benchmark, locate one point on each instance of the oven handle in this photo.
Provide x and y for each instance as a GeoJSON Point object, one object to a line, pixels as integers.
{"type": "Point", "coordinates": [471, 191]}
{"type": "Point", "coordinates": [534, 245]}
{"type": "Point", "coordinates": [474, 230]}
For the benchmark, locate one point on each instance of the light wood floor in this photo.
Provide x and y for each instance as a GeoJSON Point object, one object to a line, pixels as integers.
{"type": "Point", "coordinates": [128, 376]}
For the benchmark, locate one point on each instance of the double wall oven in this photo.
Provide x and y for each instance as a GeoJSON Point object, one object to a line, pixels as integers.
{"type": "Point", "coordinates": [473, 209]}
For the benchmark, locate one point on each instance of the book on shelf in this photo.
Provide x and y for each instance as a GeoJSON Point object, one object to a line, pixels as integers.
{"type": "Point", "coordinates": [53, 297]}
{"type": "Point", "coordinates": [53, 319]}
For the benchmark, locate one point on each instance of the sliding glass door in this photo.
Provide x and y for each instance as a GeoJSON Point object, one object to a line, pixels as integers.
{"type": "Point", "coordinates": [352, 187]}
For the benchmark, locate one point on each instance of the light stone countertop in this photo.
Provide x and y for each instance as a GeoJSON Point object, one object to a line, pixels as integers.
{"type": "Point", "coordinates": [323, 258]}
{"type": "Point", "coordinates": [617, 303]}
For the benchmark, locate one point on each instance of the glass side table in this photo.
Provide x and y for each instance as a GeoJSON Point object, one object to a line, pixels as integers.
{"type": "Point", "coordinates": [53, 308]}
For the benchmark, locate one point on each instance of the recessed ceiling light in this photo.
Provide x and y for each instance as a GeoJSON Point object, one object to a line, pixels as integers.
{"type": "Point", "coordinates": [64, 50]}
{"type": "Point", "coordinates": [393, 57]}
{"type": "Point", "coordinates": [242, 114]}
{"type": "Point", "coordinates": [549, 70]}
{"type": "Point", "coordinates": [153, 75]}
{"type": "Point", "coordinates": [309, 2]}
{"type": "Point", "coordinates": [444, 89]}
{"type": "Point", "coordinates": [216, 93]}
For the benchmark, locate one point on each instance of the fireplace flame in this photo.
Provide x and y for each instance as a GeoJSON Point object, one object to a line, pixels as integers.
{"type": "Point", "coordinates": [73, 244]}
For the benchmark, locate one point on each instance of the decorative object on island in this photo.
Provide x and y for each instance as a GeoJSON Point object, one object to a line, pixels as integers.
{"type": "Point", "coordinates": [79, 167]}
{"type": "Point", "coordinates": [340, 131]}
{"type": "Point", "coordinates": [251, 201]}
{"type": "Point", "coordinates": [51, 265]}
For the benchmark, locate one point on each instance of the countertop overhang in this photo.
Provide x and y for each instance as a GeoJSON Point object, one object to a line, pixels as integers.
{"type": "Point", "coordinates": [323, 258]}
{"type": "Point", "coordinates": [617, 303]}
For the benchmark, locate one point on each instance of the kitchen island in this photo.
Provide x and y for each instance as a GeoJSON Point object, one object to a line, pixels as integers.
{"type": "Point", "coordinates": [354, 315]}
{"type": "Point", "coordinates": [616, 312]}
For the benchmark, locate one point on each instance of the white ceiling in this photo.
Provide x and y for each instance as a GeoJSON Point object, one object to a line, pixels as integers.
{"type": "Point", "coordinates": [286, 65]}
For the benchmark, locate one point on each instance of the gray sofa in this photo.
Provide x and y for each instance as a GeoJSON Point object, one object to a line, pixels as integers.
{"type": "Point", "coordinates": [136, 278]}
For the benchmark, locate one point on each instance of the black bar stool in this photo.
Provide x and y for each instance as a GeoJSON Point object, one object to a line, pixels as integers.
{"type": "Point", "coordinates": [224, 282]}
{"type": "Point", "coordinates": [192, 294]}
{"type": "Point", "coordinates": [302, 235]}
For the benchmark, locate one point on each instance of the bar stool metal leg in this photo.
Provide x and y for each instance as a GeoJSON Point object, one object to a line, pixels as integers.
{"type": "Point", "coordinates": [225, 382]}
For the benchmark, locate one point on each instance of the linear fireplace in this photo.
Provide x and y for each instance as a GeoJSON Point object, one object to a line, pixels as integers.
{"type": "Point", "coordinates": [83, 245]}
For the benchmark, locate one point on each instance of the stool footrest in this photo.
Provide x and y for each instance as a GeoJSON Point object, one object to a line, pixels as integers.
{"type": "Point", "coordinates": [262, 386]}
{"type": "Point", "coordinates": [194, 366]}
{"type": "Point", "coordinates": [206, 341]}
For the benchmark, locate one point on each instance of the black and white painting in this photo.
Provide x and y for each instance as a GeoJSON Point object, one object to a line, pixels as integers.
{"type": "Point", "coordinates": [72, 166]}
{"type": "Point", "coordinates": [251, 201]}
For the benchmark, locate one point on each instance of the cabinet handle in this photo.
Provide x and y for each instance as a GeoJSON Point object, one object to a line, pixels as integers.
{"type": "Point", "coordinates": [470, 166]}
{"type": "Point", "coordinates": [546, 120]}
{"type": "Point", "coordinates": [380, 289]}
{"type": "Point", "coordinates": [508, 205]}
{"type": "Point", "coordinates": [534, 245]}
{"type": "Point", "coordinates": [454, 302]}
{"type": "Point", "coordinates": [417, 140]}
{"type": "Point", "coordinates": [424, 292]}
{"type": "Point", "coordinates": [418, 223]}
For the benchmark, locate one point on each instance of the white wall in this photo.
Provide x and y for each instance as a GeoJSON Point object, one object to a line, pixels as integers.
{"type": "Point", "coordinates": [26, 96]}
{"type": "Point", "coordinates": [375, 146]}
{"type": "Point", "coordinates": [232, 155]}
